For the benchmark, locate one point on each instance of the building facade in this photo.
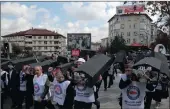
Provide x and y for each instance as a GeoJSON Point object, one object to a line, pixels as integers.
{"type": "Point", "coordinates": [134, 28]}
{"type": "Point", "coordinates": [154, 31]}
{"type": "Point", "coordinates": [105, 41]}
{"type": "Point", "coordinates": [41, 41]}
{"type": "Point", "coordinates": [95, 46]}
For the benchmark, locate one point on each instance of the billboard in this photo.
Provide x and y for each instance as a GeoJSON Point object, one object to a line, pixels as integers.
{"type": "Point", "coordinates": [78, 41]}
{"type": "Point", "coordinates": [130, 9]}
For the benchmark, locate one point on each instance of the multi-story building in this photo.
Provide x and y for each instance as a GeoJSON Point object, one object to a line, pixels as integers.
{"type": "Point", "coordinates": [105, 41]}
{"type": "Point", "coordinates": [41, 41]}
{"type": "Point", "coordinates": [134, 28]}
{"type": "Point", "coordinates": [95, 46]}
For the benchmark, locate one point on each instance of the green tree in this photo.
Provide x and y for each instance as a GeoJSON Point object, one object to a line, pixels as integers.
{"type": "Point", "coordinates": [16, 49]}
{"type": "Point", "coordinates": [117, 44]}
{"type": "Point", "coordinates": [162, 38]}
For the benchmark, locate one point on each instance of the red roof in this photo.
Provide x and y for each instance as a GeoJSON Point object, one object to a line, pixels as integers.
{"type": "Point", "coordinates": [35, 32]}
{"type": "Point", "coordinates": [136, 45]}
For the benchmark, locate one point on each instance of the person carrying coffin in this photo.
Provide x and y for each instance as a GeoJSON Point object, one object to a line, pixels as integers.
{"type": "Point", "coordinates": [133, 89]}
{"type": "Point", "coordinates": [62, 92]}
{"type": "Point", "coordinates": [41, 90]}
{"type": "Point", "coordinates": [26, 87]}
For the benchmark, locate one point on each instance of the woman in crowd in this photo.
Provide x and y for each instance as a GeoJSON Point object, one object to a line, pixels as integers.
{"type": "Point", "coordinates": [63, 92]}
{"type": "Point", "coordinates": [41, 90]}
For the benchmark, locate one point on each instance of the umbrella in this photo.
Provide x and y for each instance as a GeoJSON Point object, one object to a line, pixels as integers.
{"type": "Point", "coordinates": [164, 67]}
{"type": "Point", "coordinates": [97, 65]}
{"type": "Point", "coordinates": [150, 61]}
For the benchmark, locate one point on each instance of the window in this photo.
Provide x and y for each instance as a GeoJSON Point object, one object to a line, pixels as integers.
{"type": "Point", "coordinates": [39, 48]}
{"type": "Point", "coordinates": [39, 37]}
{"type": "Point", "coordinates": [45, 37]}
{"type": "Point", "coordinates": [134, 40]}
{"type": "Point", "coordinates": [130, 26]}
{"type": "Point", "coordinates": [122, 26]}
{"type": "Point", "coordinates": [128, 33]}
{"type": "Point", "coordinates": [128, 40]}
{"type": "Point", "coordinates": [50, 42]}
{"type": "Point", "coordinates": [134, 26]}
{"type": "Point", "coordinates": [55, 37]}
{"type": "Point", "coordinates": [34, 42]}
{"type": "Point", "coordinates": [50, 37]}
{"type": "Point", "coordinates": [55, 42]}
{"type": "Point", "coordinates": [56, 47]}
{"type": "Point", "coordinates": [122, 33]}
{"type": "Point", "coordinates": [45, 48]}
{"type": "Point", "coordinates": [39, 42]}
{"type": "Point", "coordinates": [45, 42]}
{"type": "Point", "coordinates": [34, 37]}
{"type": "Point", "coordinates": [135, 33]}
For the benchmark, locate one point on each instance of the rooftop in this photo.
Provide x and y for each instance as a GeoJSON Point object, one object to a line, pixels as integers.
{"type": "Point", "coordinates": [130, 15]}
{"type": "Point", "coordinates": [35, 32]}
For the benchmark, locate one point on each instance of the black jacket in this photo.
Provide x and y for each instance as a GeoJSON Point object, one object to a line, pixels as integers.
{"type": "Point", "coordinates": [14, 81]}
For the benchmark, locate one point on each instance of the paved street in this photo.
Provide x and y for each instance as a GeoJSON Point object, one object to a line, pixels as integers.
{"type": "Point", "coordinates": [108, 98]}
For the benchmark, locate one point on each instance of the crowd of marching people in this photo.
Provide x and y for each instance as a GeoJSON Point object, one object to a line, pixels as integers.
{"type": "Point", "coordinates": [40, 89]}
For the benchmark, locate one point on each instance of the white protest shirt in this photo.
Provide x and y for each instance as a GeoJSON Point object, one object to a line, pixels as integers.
{"type": "Point", "coordinates": [39, 86]}
{"type": "Point", "coordinates": [133, 96]}
{"type": "Point", "coordinates": [22, 83]}
{"type": "Point", "coordinates": [84, 94]}
{"type": "Point", "coordinates": [59, 91]}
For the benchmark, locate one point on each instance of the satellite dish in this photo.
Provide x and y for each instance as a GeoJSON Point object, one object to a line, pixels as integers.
{"type": "Point", "coordinates": [160, 48]}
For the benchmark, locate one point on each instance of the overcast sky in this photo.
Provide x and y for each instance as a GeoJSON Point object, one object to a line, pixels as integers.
{"type": "Point", "coordinates": [63, 17]}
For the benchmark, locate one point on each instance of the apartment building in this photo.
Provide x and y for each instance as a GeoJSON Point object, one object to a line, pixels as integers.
{"type": "Point", "coordinates": [95, 46]}
{"type": "Point", "coordinates": [134, 28]}
{"type": "Point", "coordinates": [41, 41]}
{"type": "Point", "coordinates": [105, 41]}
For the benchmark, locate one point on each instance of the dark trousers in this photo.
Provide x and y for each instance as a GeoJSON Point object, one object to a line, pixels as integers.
{"type": "Point", "coordinates": [105, 82]}
{"type": "Point", "coordinates": [28, 99]}
{"type": "Point", "coordinates": [43, 104]}
{"type": "Point", "coordinates": [148, 99]}
{"type": "Point", "coordinates": [14, 97]}
{"type": "Point", "coordinates": [64, 107]}
{"type": "Point", "coordinates": [2, 100]}
{"type": "Point", "coordinates": [82, 105]}
{"type": "Point", "coordinates": [110, 80]}
{"type": "Point", "coordinates": [97, 103]}
{"type": "Point", "coordinates": [158, 95]}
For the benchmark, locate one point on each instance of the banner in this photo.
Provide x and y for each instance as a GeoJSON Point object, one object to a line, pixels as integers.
{"type": "Point", "coordinates": [75, 52]}
{"type": "Point", "coordinates": [130, 9]}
